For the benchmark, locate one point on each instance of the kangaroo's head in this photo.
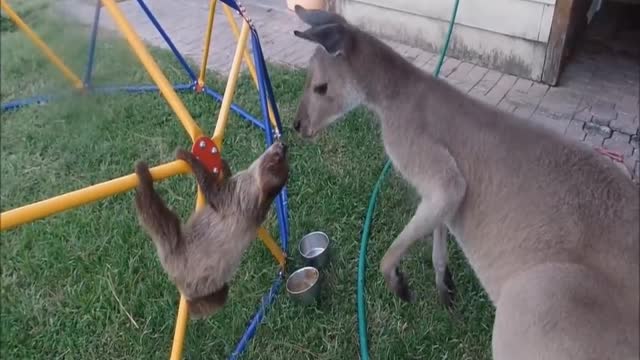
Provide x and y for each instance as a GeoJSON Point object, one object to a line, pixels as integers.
{"type": "Point", "coordinates": [330, 90]}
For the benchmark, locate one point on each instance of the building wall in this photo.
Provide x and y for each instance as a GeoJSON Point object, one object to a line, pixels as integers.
{"type": "Point", "coordinates": [506, 35]}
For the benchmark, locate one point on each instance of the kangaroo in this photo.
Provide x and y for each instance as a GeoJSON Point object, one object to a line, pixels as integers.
{"type": "Point", "coordinates": [202, 256]}
{"type": "Point", "coordinates": [550, 227]}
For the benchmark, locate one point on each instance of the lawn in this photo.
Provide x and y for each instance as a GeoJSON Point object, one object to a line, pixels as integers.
{"type": "Point", "coordinates": [87, 284]}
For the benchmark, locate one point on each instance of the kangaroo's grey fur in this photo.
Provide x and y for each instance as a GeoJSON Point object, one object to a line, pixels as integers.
{"type": "Point", "coordinates": [550, 227]}
{"type": "Point", "coordinates": [202, 256]}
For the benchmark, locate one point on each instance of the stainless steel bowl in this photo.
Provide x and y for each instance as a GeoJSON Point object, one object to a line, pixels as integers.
{"type": "Point", "coordinates": [303, 285]}
{"type": "Point", "coordinates": [314, 249]}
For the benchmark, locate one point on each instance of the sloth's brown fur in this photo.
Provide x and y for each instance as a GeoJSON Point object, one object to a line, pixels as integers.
{"type": "Point", "coordinates": [202, 255]}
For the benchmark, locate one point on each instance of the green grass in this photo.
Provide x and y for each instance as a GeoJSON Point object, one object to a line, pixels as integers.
{"type": "Point", "coordinates": [71, 281]}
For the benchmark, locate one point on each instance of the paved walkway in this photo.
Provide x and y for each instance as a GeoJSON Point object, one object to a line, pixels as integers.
{"type": "Point", "coordinates": [596, 102]}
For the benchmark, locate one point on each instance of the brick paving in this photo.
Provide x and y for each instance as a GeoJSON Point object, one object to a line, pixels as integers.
{"type": "Point", "coordinates": [596, 101]}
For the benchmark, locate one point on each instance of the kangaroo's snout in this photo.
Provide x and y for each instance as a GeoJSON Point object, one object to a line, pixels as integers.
{"type": "Point", "coordinates": [302, 127]}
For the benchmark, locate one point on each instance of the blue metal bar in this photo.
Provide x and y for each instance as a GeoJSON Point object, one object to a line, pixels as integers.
{"type": "Point", "coordinates": [240, 111]}
{"type": "Point", "coordinates": [266, 91]}
{"type": "Point", "coordinates": [232, 4]}
{"type": "Point", "coordinates": [41, 100]}
{"type": "Point", "coordinates": [269, 297]}
{"type": "Point", "coordinates": [16, 104]}
{"type": "Point", "coordinates": [283, 223]}
{"type": "Point", "coordinates": [271, 96]}
{"type": "Point", "coordinates": [281, 210]}
{"type": "Point", "coordinates": [92, 45]}
{"type": "Point", "coordinates": [167, 39]}
{"type": "Point", "coordinates": [272, 100]}
{"type": "Point", "coordinates": [267, 300]}
{"type": "Point", "coordinates": [262, 92]}
{"type": "Point", "coordinates": [139, 88]}
{"type": "Point", "coordinates": [282, 205]}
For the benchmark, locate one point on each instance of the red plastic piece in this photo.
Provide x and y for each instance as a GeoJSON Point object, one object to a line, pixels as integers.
{"type": "Point", "coordinates": [206, 150]}
{"type": "Point", "coordinates": [199, 87]}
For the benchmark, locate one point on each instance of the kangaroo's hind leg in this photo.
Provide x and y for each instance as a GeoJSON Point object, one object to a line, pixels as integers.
{"type": "Point", "coordinates": [440, 258]}
{"type": "Point", "coordinates": [442, 191]}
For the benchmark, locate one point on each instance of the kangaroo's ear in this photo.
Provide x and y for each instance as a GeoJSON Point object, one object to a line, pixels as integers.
{"type": "Point", "coordinates": [315, 17]}
{"type": "Point", "coordinates": [332, 37]}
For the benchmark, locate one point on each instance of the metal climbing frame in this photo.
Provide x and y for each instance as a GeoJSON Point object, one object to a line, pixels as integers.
{"type": "Point", "coordinates": [269, 122]}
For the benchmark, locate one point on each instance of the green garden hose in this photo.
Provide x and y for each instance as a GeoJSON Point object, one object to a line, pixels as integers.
{"type": "Point", "coordinates": [364, 239]}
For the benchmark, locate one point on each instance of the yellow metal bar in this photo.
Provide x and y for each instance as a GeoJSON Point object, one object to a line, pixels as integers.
{"type": "Point", "coordinates": [154, 70]}
{"type": "Point", "coordinates": [182, 318]}
{"type": "Point", "coordinates": [263, 234]}
{"type": "Point", "coordinates": [55, 60]}
{"type": "Point", "coordinates": [248, 61]}
{"type": "Point", "coordinates": [183, 308]}
{"type": "Point", "coordinates": [181, 329]}
{"type": "Point", "coordinates": [207, 42]}
{"type": "Point", "coordinates": [245, 55]}
{"type": "Point", "coordinates": [223, 115]}
{"type": "Point", "coordinates": [28, 213]}
{"type": "Point", "coordinates": [275, 250]}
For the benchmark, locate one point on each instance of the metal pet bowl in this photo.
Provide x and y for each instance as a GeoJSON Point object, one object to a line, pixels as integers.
{"type": "Point", "coordinates": [314, 249]}
{"type": "Point", "coordinates": [303, 285]}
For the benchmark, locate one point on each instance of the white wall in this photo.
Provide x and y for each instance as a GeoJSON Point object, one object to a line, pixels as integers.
{"type": "Point", "coordinates": [507, 35]}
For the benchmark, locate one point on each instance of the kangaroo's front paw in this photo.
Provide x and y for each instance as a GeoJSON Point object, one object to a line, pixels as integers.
{"type": "Point", "coordinates": [446, 289]}
{"type": "Point", "coordinates": [397, 282]}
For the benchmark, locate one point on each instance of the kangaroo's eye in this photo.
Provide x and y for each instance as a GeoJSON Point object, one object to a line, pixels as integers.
{"type": "Point", "coordinates": [320, 89]}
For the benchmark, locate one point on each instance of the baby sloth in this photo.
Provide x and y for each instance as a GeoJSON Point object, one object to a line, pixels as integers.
{"type": "Point", "coordinates": [202, 255]}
